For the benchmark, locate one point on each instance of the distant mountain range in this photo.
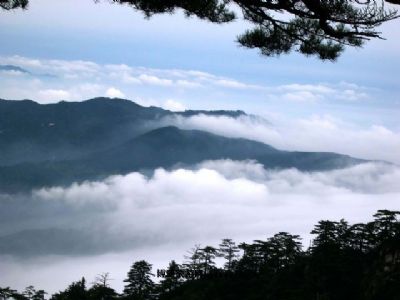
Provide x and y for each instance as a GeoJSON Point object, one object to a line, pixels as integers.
{"type": "Point", "coordinates": [57, 144]}
{"type": "Point", "coordinates": [12, 68]}
{"type": "Point", "coordinates": [17, 69]}
{"type": "Point", "coordinates": [31, 132]}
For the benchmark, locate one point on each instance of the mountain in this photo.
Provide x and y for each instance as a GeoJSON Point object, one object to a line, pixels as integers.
{"type": "Point", "coordinates": [165, 147]}
{"type": "Point", "coordinates": [32, 132]}
{"type": "Point", "coordinates": [17, 69]}
{"type": "Point", "coordinates": [13, 68]}
{"type": "Point", "coordinates": [169, 146]}
{"type": "Point", "coordinates": [66, 142]}
{"type": "Point", "coordinates": [232, 113]}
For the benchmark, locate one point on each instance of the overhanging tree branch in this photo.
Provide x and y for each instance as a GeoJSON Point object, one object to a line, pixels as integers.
{"type": "Point", "coordinates": [312, 27]}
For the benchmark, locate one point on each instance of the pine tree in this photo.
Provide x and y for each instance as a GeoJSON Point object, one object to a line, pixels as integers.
{"type": "Point", "coordinates": [139, 284]}
{"type": "Point", "coordinates": [284, 248]}
{"type": "Point", "coordinates": [75, 291]}
{"type": "Point", "coordinates": [387, 224]}
{"type": "Point", "coordinates": [229, 251]}
{"type": "Point", "coordinates": [31, 294]}
{"type": "Point", "coordinates": [193, 260]}
{"type": "Point", "coordinates": [172, 278]}
{"type": "Point", "coordinates": [207, 257]}
{"type": "Point", "coordinates": [321, 28]}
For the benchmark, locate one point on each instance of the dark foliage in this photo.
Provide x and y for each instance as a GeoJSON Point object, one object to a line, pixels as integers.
{"type": "Point", "coordinates": [13, 4]}
{"type": "Point", "coordinates": [139, 285]}
{"type": "Point", "coordinates": [322, 28]}
{"type": "Point", "coordinates": [357, 262]}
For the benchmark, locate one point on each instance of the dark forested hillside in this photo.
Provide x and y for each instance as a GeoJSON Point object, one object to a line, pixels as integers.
{"type": "Point", "coordinates": [344, 261]}
{"type": "Point", "coordinates": [31, 132]}
{"type": "Point", "coordinates": [58, 144]}
{"type": "Point", "coordinates": [165, 147]}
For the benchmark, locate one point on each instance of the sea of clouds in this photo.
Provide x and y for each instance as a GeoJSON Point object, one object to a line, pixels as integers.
{"type": "Point", "coordinates": [94, 227]}
{"type": "Point", "coordinates": [104, 226]}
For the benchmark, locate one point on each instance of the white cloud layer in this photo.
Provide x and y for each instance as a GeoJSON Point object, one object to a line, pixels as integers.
{"type": "Point", "coordinates": [65, 77]}
{"type": "Point", "coordinates": [51, 96]}
{"type": "Point", "coordinates": [159, 217]}
{"type": "Point", "coordinates": [114, 93]}
{"type": "Point", "coordinates": [173, 105]}
{"type": "Point", "coordinates": [317, 133]}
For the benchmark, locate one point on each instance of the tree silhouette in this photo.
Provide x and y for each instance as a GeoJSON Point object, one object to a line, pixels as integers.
{"type": "Point", "coordinates": [101, 289]}
{"type": "Point", "coordinates": [39, 295]}
{"type": "Point", "coordinates": [387, 224]}
{"type": "Point", "coordinates": [357, 262]}
{"type": "Point", "coordinates": [172, 278]}
{"type": "Point", "coordinates": [102, 280]}
{"type": "Point", "coordinates": [30, 293]}
{"type": "Point", "coordinates": [13, 4]}
{"type": "Point", "coordinates": [139, 284]}
{"type": "Point", "coordinates": [319, 28]}
{"type": "Point", "coordinates": [331, 233]}
{"type": "Point", "coordinates": [193, 260]}
{"type": "Point", "coordinates": [75, 291]}
{"type": "Point", "coordinates": [229, 251]}
{"type": "Point", "coordinates": [6, 293]}
{"type": "Point", "coordinates": [359, 238]}
{"type": "Point", "coordinates": [282, 250]}
{"type": "Point", "coordinates": [251, 259]}
{"type": "Point", "coordinates": [99, 292]}
{"type": "Point", "coordinates": [207, 257]}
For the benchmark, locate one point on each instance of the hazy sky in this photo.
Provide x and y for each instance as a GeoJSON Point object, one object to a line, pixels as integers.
{"type": "Point", "coordinates": [75, 50]}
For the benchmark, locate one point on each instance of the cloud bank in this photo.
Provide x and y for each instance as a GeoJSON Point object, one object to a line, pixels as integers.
{"type": "Point", "coordinates": [158, 217]}
{"type": "Point", "coordinates": [321, 133]}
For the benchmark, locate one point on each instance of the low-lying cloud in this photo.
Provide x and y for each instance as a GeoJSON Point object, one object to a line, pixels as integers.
{"type": "Point", "coordinates": [317, 133]}
{"type": "Point", "coordinates": [159, 217]}
{"type": "Point", "coordinates": [128, 208]}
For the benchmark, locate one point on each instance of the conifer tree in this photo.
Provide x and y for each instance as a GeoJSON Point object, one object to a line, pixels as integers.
{"type": "Point", "coordinates": [207, 257]}
{"type": "Point", "coordinates": [229, 251]}
{"type": "Point", "coordinates": [75, 291]}
{"type": "Point", "coordinates": [193, 260]}
{"type": "Point", "coordinates": [172, 277]}
{"type": "Point", "coordinates": [139, 284]}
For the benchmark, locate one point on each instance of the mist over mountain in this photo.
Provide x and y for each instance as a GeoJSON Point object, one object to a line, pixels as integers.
{"type": "Point", "coordinates": [58, 144]}
{"type": "Point", "coordinates": [31, 132]}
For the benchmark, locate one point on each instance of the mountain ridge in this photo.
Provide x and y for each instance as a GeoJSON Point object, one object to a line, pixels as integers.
{"type": "Point", "coordinates": [31, 132]}
{"type": "Point", "coordinates": [67, 142]}
{"type": "Point", "coordinates": [166, 147]}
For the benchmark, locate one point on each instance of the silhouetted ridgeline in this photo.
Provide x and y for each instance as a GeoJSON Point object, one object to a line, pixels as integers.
{"type": "Point", "coordinates": [67, 142]}
{"type": "Point", "coordinates": [359, 261]}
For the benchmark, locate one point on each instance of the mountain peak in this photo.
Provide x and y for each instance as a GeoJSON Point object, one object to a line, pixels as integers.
{"type": "Point", "coordinates": [13, 68]}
